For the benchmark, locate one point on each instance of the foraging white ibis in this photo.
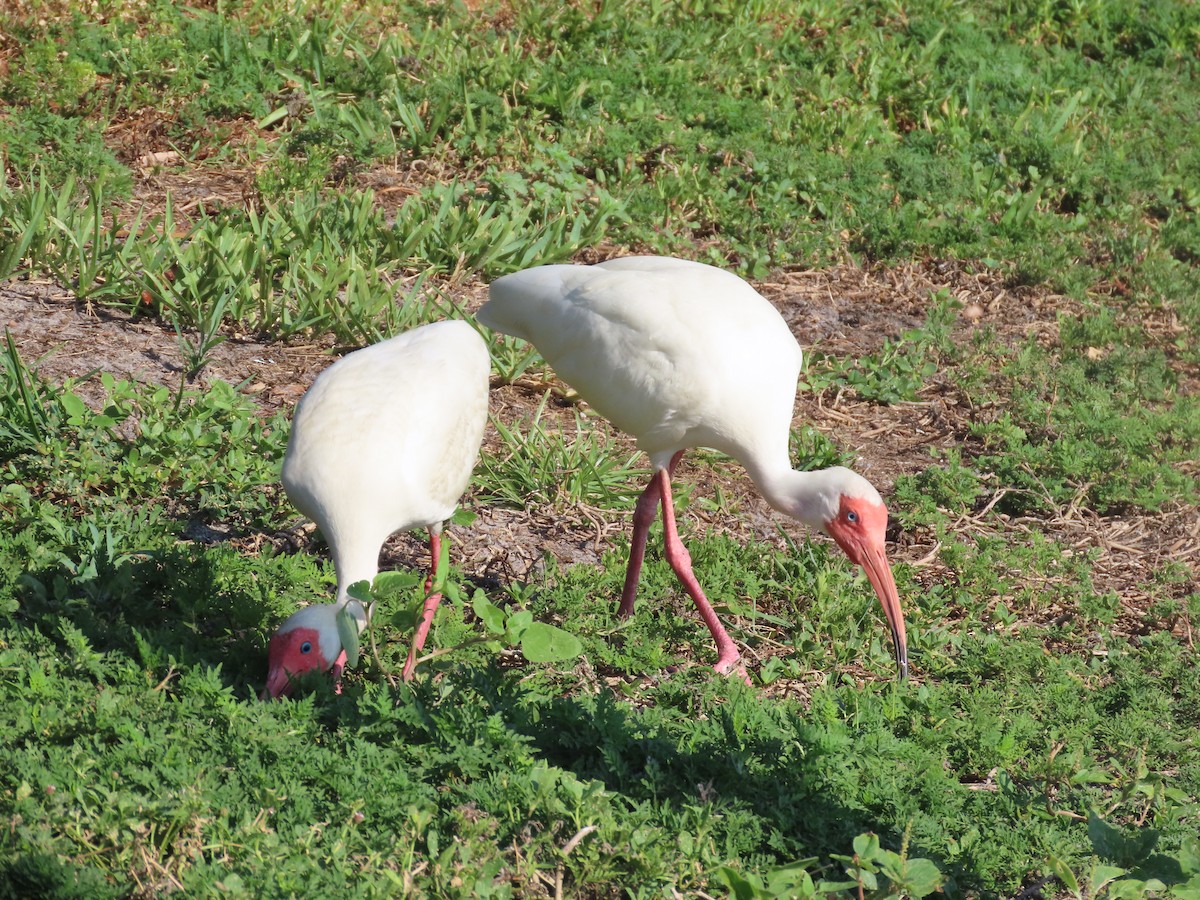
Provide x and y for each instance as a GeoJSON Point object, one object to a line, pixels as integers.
{"type": "Point", "coordinates": [680, 354]}
{"type": "Point", "coordinates": [384, 440]}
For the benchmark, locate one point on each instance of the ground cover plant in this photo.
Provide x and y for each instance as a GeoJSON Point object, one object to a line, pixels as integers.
{"type": "Point", "coordinates": [980, 221]}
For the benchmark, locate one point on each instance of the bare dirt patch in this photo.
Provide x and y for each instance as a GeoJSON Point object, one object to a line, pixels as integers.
{"type": "Point", "coordinates": [60, 339]}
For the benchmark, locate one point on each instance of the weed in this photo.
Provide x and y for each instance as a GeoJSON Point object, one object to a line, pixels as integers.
{"type": "Point", "coordinates": [950, 488]}
{"type": "Point", "coordinates": [813, 450]}
{"type": "Point", "coordinates": [511, 357]}
{"type": "Point", "coordinates": [1082, 430]}
{"type": "Point", "coordinates": [539, 642]}
{"type": "Point", "coordinates": [46, 75]}
{"type": "Point", "coordinates": [901, 368]}
{"type": "Point", "coordinates": [58, 148]}
{"type": "Point", "coordinates": [24, 399]}
{"type": "Point", "coordinates": [24, 218]}
{"type": "Point", "coordinates": [578, 470]}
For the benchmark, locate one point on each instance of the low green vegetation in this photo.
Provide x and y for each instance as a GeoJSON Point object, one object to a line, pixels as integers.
{"type": "Point", "coordinates": [384, 155]}
{"type": "Point", "coordinates": [584, 468]}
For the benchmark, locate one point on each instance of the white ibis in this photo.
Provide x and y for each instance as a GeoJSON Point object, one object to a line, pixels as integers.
{"type": "Point", "coordinates": [384, 440]}
{"type": "Point", "coordinates": [680, 354]}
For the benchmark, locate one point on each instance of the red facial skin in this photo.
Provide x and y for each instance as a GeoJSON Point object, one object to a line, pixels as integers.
{"type": "Point", "coordinates": [290, 654]}
{"type": "Point", "coordinates": [860, 529]}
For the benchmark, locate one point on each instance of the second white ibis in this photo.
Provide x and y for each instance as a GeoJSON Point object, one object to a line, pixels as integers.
{"type": "Point", "coordinates": [680, 354]}
{"type": "Point", "coordinates": [384, 440]}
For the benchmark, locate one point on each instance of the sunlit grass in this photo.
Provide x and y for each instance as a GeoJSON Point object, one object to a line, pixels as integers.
{"type": "Point", "coordinates": [540, 464]}
{"type": "Point", "coordinates": [1048, 736]}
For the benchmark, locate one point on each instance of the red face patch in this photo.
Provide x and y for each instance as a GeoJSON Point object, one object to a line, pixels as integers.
{"type": "Point", "coordinates": [860, 529]}
{"type": "Point", "coordinates": [858, 525]}
{"type": "Point", "coordinates": [291, 654]}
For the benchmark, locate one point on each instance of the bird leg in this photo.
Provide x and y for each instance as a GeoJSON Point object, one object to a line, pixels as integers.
{"type": "Point", "coordinates": [339, 666]}
{"type": "Point", "coordinates": [681, 561]}
{"type": "Point", "coordinates": [643, 518]}
{"type": "Point", "coordinates": [431, 604]}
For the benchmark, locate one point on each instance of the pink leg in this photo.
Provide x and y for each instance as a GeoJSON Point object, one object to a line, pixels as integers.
{"type": "Point", "coordinates": [681, 561]}
{"type": "Point", "coordinates": [339, 666]}
{"type": "Point", "coordinates": [643, 518]}
{"type": "Point", "coordinates": [431, 605]}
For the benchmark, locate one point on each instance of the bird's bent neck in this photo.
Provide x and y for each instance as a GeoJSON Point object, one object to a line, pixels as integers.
{"type": "Point", "coordinates": [807, 496]}
{"type": "Point", "coordinates": [361, 563]}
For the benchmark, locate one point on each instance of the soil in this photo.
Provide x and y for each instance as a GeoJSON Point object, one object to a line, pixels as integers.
{"type": "Point", "coordinates": [843, 311]}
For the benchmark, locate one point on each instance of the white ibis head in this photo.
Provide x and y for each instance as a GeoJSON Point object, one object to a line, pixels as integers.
{"type": "Point", "coordinates": [307, 641]}
{"type": "Point", "coordinates": [855, 517]}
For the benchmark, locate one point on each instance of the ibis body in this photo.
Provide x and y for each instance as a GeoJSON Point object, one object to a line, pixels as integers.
{"type": "Point", "coordinates": [680, 354]}
{"type": "Point", "coordinates": [384, 440]}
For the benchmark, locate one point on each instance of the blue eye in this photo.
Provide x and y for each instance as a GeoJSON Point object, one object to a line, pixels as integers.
{"type": "Point", "coordinates": [306, 647]}
{"type": "Point", "coordinates": [851, 516]}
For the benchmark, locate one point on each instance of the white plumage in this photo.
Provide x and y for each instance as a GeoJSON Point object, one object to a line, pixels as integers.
{"type": "Point", "coordinates": [680, 354]}
{"type": "Point", "coordinates": [632, 336]}
{"type": "Point", "coordinates": [384, 440]}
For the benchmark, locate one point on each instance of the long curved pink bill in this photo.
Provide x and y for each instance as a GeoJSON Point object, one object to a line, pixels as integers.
{"type": "Point", "coordinates": [879, 573]}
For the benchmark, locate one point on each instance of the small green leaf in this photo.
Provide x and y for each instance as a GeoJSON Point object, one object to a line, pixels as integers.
{"type": "Point", "coordinates": [1135, 889]}
{"type": "Point", "coordinates": [361, 591]}
{"type": "Point", "coordinates": [542, 643]}
{"type": "Point", "coordinates": [517, 623]}
{"type": "Point", "coordinates": [1102, 876]}
{"type": "Point", "coordinates": [792, 880]}
{"type": "Point", "coordinates": [272, 117]}
{"type": "Point", "coordinates": [741, 887]}
{"type": "Point", "coordinates": [1063, 873]}
{"type": "Point", "coordinates": [922, 877]}
{"type": "Point", "coordinates": [1189, 856]}
{"type": "Point", "coordinates": [867, 846]}
{"type": "Point", "coordinates": [394, 582]}
{"type": "Point", "coordinates": [71, 403]}
{"type": "Point", "coordinates": [867, 877]}
{"type": "Point", "coordinates": [231, 884]}
{"type": "Point", "coordinates": [492, 615]}
{"type": "Point", "coordinates": [1189, 890]}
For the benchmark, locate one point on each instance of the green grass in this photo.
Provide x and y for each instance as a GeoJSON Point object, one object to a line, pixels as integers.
{"type": "Point", "coordinates": [1050, 731]}
{"type": "Point", "coordinates": [541, 465]}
